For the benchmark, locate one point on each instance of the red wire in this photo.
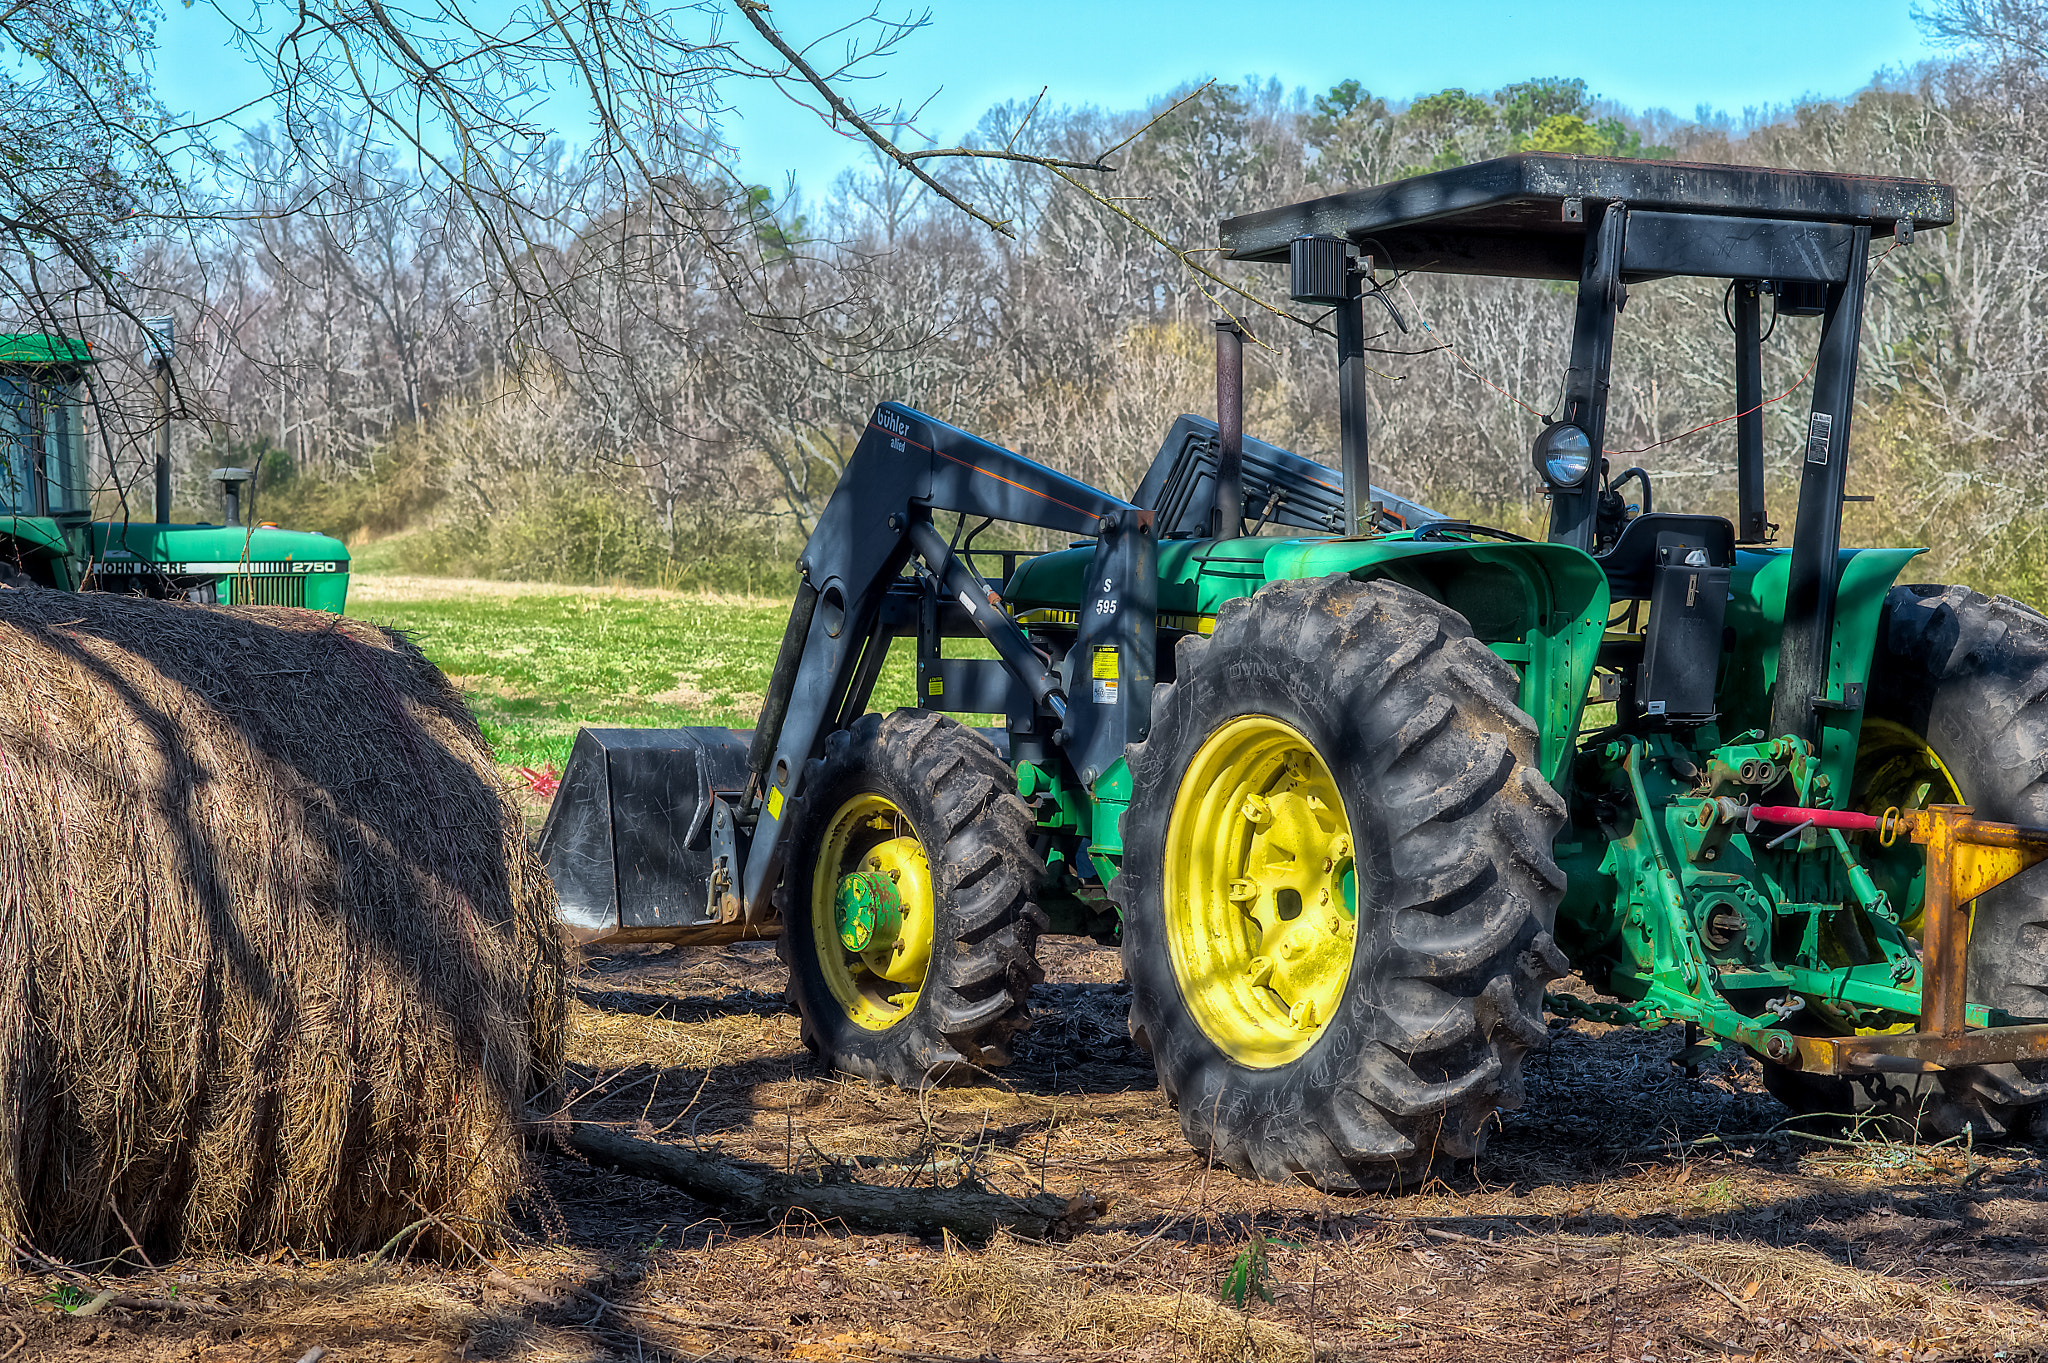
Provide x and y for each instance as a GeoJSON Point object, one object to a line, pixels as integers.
{"type": "Point", "coordinates": [1761, 405]}
{"type": "Point", "coordinates": [1473, 370]}
{"type": "Point", "coordinates": [1723, 421]}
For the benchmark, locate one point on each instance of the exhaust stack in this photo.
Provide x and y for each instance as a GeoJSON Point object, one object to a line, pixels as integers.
{"type": "Point", "coordinates": [1227, 522]}
{"type": "Point", "coordinates": [231, 481]}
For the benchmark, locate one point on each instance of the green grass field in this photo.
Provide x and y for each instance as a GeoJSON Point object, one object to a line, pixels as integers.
{"type": "Point", "coordinates": [536, 662]}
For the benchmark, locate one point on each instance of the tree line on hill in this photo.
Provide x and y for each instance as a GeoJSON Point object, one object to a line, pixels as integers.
{"type": "Point", "coordinates": [597, 362]}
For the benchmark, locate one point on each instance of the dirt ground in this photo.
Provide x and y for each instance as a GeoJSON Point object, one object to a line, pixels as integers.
{"type": "Point", "coordinates": [1630, 1212]}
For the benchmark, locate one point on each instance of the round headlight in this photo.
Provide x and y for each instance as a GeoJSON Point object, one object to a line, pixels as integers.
{"type": "Point", "coordinates": [1563, 454]}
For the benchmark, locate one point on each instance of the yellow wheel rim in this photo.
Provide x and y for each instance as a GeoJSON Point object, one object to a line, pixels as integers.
{"type": "Point", "coordinates": [872, 911]}
{"type": "Point", "coordinates": [1895, 769]}
{"type": "Point", "coordinates": [1900, 771]}
{"type": "Point", "coordinates": [1260, 892]}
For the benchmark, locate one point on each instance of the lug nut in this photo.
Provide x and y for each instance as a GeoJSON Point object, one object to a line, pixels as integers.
{"type": "Point", "coordinates": [1256, 810]}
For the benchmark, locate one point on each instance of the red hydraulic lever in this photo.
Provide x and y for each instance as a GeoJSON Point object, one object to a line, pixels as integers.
{"type": "Point", "coordinates": [1846, 820]}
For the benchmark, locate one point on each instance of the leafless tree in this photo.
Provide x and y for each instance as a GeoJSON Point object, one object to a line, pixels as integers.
{"type": "Point", "coordinates": [404, 269]}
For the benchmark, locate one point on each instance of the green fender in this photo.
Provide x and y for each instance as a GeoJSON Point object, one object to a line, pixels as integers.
{"type": "Point", "coordinates": [42, 537]}
{"type": "Point", "coordinates": [1756, 614]}
{"type": "Point", "coordinates": [1541, 607]}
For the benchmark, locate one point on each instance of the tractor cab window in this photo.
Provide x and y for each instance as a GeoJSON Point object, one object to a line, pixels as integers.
{"type": "Point", "coordinates": [42, 446]}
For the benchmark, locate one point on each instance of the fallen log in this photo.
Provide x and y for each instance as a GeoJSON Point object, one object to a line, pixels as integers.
{"type": "Point", "coordinates": [969, 1212]}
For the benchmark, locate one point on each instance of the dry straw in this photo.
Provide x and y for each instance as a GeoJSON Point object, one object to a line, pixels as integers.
{"type": "Point", "coordinates": [1019, 1287]}
{"type": "Point", "coordinates": [276, 965]}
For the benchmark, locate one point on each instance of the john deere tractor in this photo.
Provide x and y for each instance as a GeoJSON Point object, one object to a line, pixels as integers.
{"type": "Point", "coordinates": [1321, 760]}
{"type": "Point", "coordinates": [49, 538]}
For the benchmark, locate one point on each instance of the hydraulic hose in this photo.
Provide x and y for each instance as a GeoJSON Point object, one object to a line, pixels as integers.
{"type": "Point", "coordinates": [976, 597]}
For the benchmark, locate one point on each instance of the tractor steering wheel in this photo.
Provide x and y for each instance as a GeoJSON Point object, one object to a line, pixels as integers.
{"type": "Point", "coordinates": [1614, 513]}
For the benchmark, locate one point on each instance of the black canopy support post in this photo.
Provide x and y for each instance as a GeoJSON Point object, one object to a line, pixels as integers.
{"type": "Point", "coordinates": [1110, 686]}
{"type": "Point", "coordinates": [1817, 537]}
{"type": "Point", "coordinates": [37, 472]}
{"type": "Point", "coordinates": [1751, 527]}
{"type": "Point", "coordinates": [1228, 521]}
{"type": "Point", "coordinates": [1352, 443]}
{"type": "Point", "coordinates": [1574, 512]}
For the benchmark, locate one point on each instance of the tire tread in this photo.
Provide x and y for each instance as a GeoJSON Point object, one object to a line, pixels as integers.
{"type": "Point", "coordinates": [976, 992]}
{"type": "Point", "coordinates": [1475, 890]}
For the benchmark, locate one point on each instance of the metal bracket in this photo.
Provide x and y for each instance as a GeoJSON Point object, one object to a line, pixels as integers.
{"type": "Point", "coordinates": [726, 864]}
{"type": "Point", "coordinates": [1109, 694]}
{"type": "Point", "coordinates": [1852, 698]}
{"type": "Point", "coordinates": [1966, 857]}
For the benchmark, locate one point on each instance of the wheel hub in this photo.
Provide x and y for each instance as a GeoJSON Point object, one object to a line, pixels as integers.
{"type": "Point", "coordinates": [873, 912]}
{"type": "Point", "coordinates": [903, 953]}
{"type": "Point", "coordinates": [1896, 769]}
{"type": "Point", "coordinates": [867, 910]}
{"type": "Point", "coordinates": [1302, 901]}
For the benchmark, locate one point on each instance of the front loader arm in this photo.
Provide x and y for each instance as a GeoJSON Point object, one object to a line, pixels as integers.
{"type": "Point", "coordinates": [906, 466]}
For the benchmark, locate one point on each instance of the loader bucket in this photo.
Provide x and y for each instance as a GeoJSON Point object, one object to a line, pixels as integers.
{"type": "Point", "coordinates": [631, 838]}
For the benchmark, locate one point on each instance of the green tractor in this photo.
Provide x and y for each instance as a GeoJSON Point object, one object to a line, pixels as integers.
{"type": "Point", "coordinates": [48, 537]}
{"type": "Point", "coordinates": [1322, 760]}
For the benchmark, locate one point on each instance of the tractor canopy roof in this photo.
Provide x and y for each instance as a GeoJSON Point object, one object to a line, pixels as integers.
{"type": "Point", "coordinates": [1528, 217]}
{"type": "Point", "coordinates": [39, 349]}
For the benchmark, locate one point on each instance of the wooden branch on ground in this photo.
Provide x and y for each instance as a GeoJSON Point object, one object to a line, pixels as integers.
{"type": "Point", "coordinates": [968, 1212]}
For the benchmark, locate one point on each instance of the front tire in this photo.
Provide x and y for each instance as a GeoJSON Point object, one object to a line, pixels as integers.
{"type": "Point", "coordinates": [1338, 890]}
{"type": "Point", "coordinates": [907, 920]}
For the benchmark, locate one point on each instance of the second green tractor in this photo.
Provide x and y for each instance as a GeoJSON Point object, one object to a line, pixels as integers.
{"type": "Point", "coordinates": [48, 537]}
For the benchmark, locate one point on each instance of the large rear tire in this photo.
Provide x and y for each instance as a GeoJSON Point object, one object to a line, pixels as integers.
{"type": "Point", "coordinates": [907, 917]}
{"type": "Point", "coordinates": [1338, 890]}
{"type": "Point", "coordinates": [1958, 713]}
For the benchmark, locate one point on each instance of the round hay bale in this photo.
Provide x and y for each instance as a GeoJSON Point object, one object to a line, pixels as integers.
{"type": "Point", "coordinates": [277, 966]}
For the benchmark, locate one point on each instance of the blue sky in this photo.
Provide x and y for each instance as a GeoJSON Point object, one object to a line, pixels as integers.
{"type": "Point", "coordinates": [1729, 54]}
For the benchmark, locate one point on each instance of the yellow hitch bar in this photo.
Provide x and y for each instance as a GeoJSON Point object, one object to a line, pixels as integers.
{"type": "Point", "coordinates": [1966, 856]}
